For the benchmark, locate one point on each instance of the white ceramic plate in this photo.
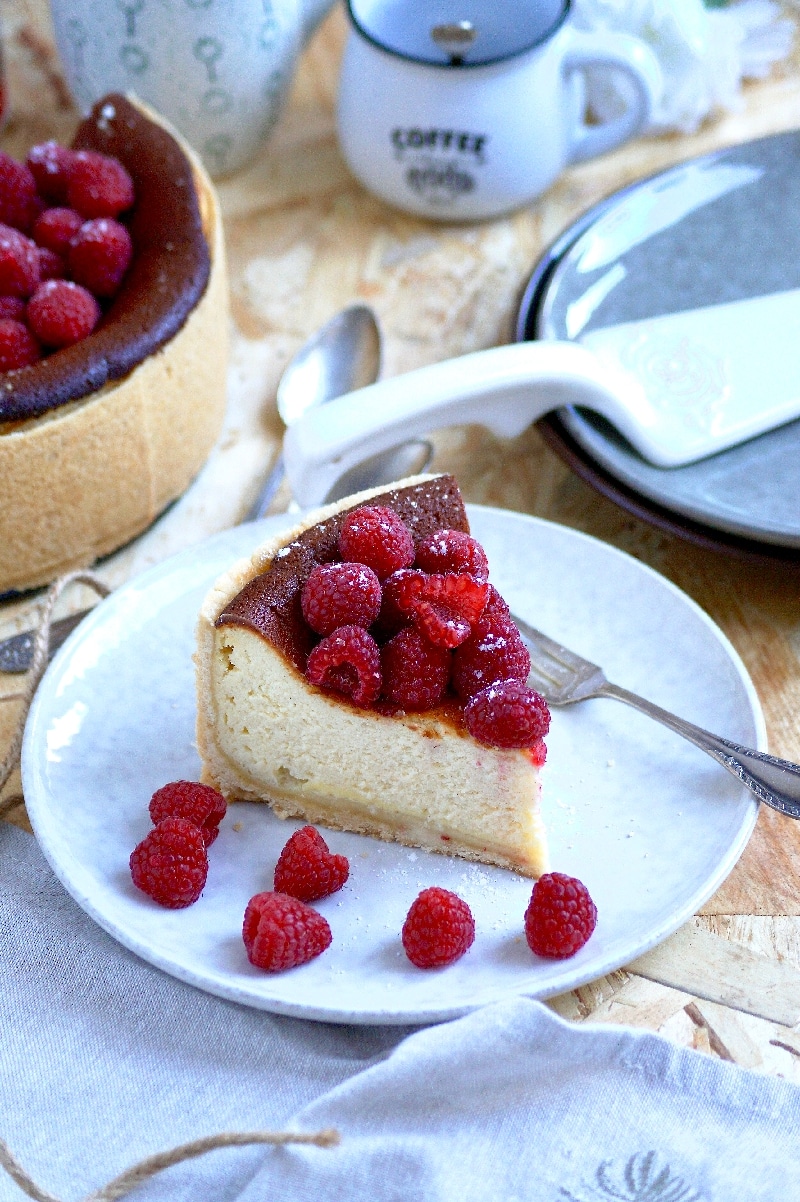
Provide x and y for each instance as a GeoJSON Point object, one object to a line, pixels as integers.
{"type": "Point", "coordinates": [649, 823]}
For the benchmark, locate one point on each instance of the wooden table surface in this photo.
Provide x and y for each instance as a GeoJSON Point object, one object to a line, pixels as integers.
{"type": "Point", "coordinates": [304, 239]}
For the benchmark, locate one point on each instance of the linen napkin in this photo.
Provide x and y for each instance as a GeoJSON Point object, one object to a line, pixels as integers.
{"type": "Point", "coordinates": [105, 1060]}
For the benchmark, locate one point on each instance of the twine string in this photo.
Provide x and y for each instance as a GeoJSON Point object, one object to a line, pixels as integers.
{"type": "Point", "coordinates": [41, 649]}
{"type": "Point", "coordinates": [143, 1170]}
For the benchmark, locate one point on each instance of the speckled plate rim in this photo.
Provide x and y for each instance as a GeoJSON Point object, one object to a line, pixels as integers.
{"type": "Point", "coordinates": [454, 991]}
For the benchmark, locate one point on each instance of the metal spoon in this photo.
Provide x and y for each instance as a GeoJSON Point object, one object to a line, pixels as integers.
{"type": "Point", "coordinates": [344, 355]}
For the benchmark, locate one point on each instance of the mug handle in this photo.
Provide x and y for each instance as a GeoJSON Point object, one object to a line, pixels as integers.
{"type": "Point", "coordinates": [638, 63]}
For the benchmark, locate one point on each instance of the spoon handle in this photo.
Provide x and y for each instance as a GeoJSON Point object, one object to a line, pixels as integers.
{"type": "Point", "coordinates": [270, 486]}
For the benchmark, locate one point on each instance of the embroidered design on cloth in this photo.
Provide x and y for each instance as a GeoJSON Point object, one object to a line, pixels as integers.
{"type": "Point", "coordinates": [641, 1180]}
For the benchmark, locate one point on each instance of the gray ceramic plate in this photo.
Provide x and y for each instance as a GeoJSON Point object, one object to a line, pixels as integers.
{"type": "Point", "coordinates": [721, 228]}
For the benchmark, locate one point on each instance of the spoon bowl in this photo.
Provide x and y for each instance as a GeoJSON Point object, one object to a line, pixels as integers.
{"type": "Point", "coordinates": [343, 355]}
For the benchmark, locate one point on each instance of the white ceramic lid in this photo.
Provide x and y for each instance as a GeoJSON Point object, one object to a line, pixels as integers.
{"type": "Point", "coordinates": [480, 31]}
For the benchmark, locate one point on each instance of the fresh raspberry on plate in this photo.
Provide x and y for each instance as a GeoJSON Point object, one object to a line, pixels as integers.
{"type": "Point", "coordinates": [55, 229]}
{"type": "Point", "coordinates": [347, 662]}
{"type": "Point", "coordinates": [507, 714]}
{"type": "Point", "coordinates": [97, 185]}
{"type": "Point", "coordinates": [99, 255]}
{"type": "Point", "coordinates": [376, 536]}
{"type": "Point", "coordinates": [340, 594]}
{"type": "Point", "coordinates": [307, 869]}
{"type": "Point", "coordinates": [452, 551]}
{"type": "Point", "coordinates": [60, 313]}
{"type": "Point", "coordinates": [170, 864]}
{"type": "Point", "coordinates": [200, 804]}
{"type": "Point", "coordinates": [560, 916]}
{"type": "Point", "coordinates": [18, 347]}
{"type": "Point", "coordinates": [49, 164]}
{"type": "Point", "coordinates": [438, 929]}
{"type": "Point", "coordinates": [494, 651]}
{"type": "Point", "coordinates": [281, 932]}
{"type": "Point", "coordinates": [415, 672]}
{"type": "Point", "coordinates": [19, 263]}
{"type": "Point", "coordinates": [18, 198]}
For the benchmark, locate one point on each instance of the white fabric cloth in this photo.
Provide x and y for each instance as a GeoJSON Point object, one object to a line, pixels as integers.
{"type": "Point", "coordinates": [104, 1060]}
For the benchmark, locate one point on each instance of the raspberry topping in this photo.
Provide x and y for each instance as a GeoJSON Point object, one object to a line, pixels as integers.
{"type": "Point", "coordinates": [51, 265]}
{"type": "Point", "coordinates": [560, 916]}
{"type": "Point", "coordinates": [494, 651]}
{"type": "Point", "coordinates": [55, 229]}
{"type": "Point", "coordinates": [170, 864]}
{"type": "Point", "coordinates": [376, 536]}
{"type": "Point", "coordinates": [443, 608]}
{"type": "Point", "coordinates": [99, 255]}
{"type": "Point", "coordinates": [19, 263]}
{"type": "Point", "coordinates": [507, 714]}
{"type": "Point", "coordinates": [197, 803]}
{"type": "Point", "coordinates": [438, 929]}
{"type": "Point", "coordinates": [341, 594]}
{"type": "Point", "coordinates": [415, 673]}
{"type": "Point", "coordinates": [397, 594]}
{"type": "Point", "coordinates": [18, 347]}
{"type": "Point", "coordinates": [348, 662]}
{"type": "Point", "coordinates": [453, 551]}
{"type": "Point", "coordinates": [49, 164]}
{"type": "Point", "coordinates": [495, 604]}
{"type": "Point", "coordinates": [98, 186]}
{"type": "Point", "coordinates": [281, 932]}
{"type": "Point", "coordinates": [18, 200]}
{"type": "Point", "coordinates": [307, 869]}
{"type": "Point", "coordinates": [13, 307]}
{"type": "Point", "coordinates": [61, 313]}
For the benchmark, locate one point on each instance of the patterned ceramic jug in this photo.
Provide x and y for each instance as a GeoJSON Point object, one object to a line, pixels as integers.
{"type": "Point", "coordinates": [218, 69]}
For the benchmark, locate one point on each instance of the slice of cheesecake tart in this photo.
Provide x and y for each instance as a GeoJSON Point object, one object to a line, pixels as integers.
{"type": "Point", "coordinates": [361, 673]}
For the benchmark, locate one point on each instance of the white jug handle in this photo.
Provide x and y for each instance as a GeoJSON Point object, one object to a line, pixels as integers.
{"type": "Point", "coordinates": [505, 388]}
{"type": "Point", "coordinates": [600, 48]}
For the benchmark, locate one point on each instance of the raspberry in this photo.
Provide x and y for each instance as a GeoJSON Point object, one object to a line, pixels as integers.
{"type": "Point", "coordinates": [18, 200]}
{"type": "Point", "coordinates": [200, 804]}
{"type": "Point", "coordinates": [341, 594]}
{"type": "Point", "coordinates": [307, 869]}
{"type": "Point", "coordinates": [537, 753]}
{"type": "Point", "coordinates": [19, 263]}
{"type": "Point", "coordinates": [507, 714]}
{"type": "Point", "coordinates": [98, 186]}
{"type": "Point", "coordinates": [49, 164]}
{"type": "Point", "coordinates": [61, 312]}
{"type": "Point", "coordinates": [99, 255]}
{"type": "Point", "coordinates": [18, 347]}
{"type": "Point", "coordinates": [560, 916]}
{"type": "Point", "coordinates": [13, 307]}
{"type": "Point", "coordinates": [55, 229]}
{"type": "Point", "coordinates": [170, 864]}
{"type": "Point", "coordinates": [495, 604]}
{"type": "Point", "coordinates": [51, 265]}
{"type": "Point", "coordinates": [395, 591]}
{"type": "Point", "coordinates": [281, 932]}
{"type": "Point", "coordinates": [453, 551]}
{"type": "Point", "coordinates": [415, 673]}
{"type": "Point", "coordinates": [349, 662]}
{"type": "Point", "coordinates": [438, 929]}
{"type": "Point", "coordinates": [376, 536]}
{"type": "Point", "coordinates": [443, 608]}
{"type": "Point", "coordinates": [494, 651]}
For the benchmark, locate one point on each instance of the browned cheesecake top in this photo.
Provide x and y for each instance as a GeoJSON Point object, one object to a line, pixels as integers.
{"type": "Point", "coordinates": [166, 279]}
{"type": "Point", "coordinates": [270, 603]}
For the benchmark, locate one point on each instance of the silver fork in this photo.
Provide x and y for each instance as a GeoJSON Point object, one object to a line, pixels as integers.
{"type": "Point", "coordinates": [563, 678]}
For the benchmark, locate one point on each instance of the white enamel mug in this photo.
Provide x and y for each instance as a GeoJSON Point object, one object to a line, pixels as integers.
{"type": "Point", "coordinates": [464, 109]}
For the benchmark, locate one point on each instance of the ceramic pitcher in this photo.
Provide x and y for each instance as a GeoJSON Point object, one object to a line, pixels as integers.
{"type": "Point", "coordinates": [219, 70]}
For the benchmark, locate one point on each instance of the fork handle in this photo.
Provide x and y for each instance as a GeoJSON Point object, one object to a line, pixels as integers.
{"type": "Point", "coordinates": [773, 781]}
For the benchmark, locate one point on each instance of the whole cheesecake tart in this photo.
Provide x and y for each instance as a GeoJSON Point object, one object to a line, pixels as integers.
{"type": "Point", "coordinates": [366, 763]}
{"type": "Point", "coordinates": [99, 437]}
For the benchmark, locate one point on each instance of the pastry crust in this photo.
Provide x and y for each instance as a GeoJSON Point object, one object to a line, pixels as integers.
{"type": "Point", "coordinates": [89, 476]}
